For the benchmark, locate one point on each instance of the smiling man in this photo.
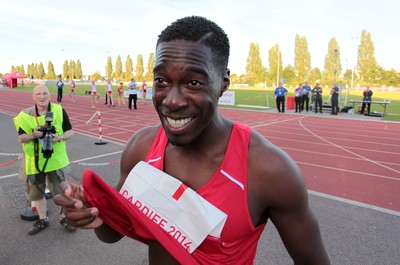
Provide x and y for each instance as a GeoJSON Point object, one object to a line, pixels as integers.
{"type": "Point", "coordinates": [244, 178]}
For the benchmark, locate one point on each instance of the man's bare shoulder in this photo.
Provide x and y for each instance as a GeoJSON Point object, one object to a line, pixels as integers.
{"type": "Point", "coordinates": [140, 142]}
{"type": "Point", "coordinates": [274, 178]}
{"type": "Point", "coordinates": [267, 157]}
{"type": "Point", "coordinates": [136, 150]}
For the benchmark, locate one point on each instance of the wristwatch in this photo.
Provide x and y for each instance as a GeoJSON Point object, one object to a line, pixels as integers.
{"type": "Point", "coordinates": [61, 138]}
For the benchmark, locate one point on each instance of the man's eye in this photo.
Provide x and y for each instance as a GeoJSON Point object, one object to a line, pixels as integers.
{"type": "Point", "coordinates": [159, 80]}
{"type": "Point", "coordinates": [194, 83]}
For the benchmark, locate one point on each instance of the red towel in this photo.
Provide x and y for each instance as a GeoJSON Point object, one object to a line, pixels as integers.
{"type": "Point", "coordinates": [122, 216]}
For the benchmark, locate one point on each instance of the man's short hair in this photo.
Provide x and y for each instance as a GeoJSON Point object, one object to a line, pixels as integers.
{"type": "Point", "coordinates": [200, 29]}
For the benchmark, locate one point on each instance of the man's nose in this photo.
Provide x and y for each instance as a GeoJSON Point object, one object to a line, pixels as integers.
{"type": "Point", "coordinates": [175, 98]}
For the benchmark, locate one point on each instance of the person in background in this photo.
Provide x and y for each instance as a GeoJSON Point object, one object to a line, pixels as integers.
{"type": "Point", "coordinates": [335, 99]}
{"type": "Point", "coordinates": [60, 86]}
{"type": "Point", "coordinates": [306, 89]}
{"type": "Point", "coordinates": [144, 91]}
{"type": "Point", "coordinates": [228, 164]}
{"type": "Point", "coordinates": [280, 93]}
{"type": "Point", "coordinates": [50, 164]}
{"type": "Point", "coordinates": [72, 91]}
{"type": "Point", "coordinates": [297, 98]}
{"type": "Point", "coordinates": [94, 93]}
{"type": "Point", "coordinates": [120, 91]}
{"type": "Point", "coordinates": [132, 91]}
{"type": "Point", "coordinates": [109, 93]}
{"type": "Point", "coordinates": [367, 98]}
{"type": "Point", "coordinates": [317, 94]}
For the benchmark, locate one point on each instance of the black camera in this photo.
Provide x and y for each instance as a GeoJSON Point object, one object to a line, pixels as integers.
{"type": "Point", "coordinates": [48, 131]}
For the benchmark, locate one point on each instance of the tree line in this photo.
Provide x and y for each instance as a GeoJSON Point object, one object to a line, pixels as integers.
{"type": "Point", "coordinates": [73, 70]}
{"type": "Point", "coordinates": [367, 70]}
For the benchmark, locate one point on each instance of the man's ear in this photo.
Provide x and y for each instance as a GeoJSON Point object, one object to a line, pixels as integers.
{"type": "Point", "coordinates": [227, 81]}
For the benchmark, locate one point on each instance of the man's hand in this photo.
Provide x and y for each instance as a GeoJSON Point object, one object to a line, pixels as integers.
{"type": "Point", "coordinates": [77, 211]}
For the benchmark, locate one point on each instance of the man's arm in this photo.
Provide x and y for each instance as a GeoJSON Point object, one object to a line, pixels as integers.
{"type": "Point", "coordinates": [24, 137]}
{"type": "Point", "coordinates": [299, 231]}
{"type": "Point", "coordinates": [280, 195]}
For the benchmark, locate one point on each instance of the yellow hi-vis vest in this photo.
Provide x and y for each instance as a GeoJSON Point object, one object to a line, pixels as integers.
{"type": "Point", "coordinates": [59, 158]}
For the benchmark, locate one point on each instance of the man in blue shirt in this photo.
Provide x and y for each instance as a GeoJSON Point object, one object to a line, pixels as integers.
{"type": "Point", "coordinates": [305, 96]}
{"type": "Point", "coordinates": [280, 93]}
{"type": "Point", "coordinates": [60, 86]}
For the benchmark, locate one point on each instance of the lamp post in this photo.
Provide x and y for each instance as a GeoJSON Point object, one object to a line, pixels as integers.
{"type": "Point", "coordinates": [335, 70]}
{"type": "Point", "coordinates": [277, 72]}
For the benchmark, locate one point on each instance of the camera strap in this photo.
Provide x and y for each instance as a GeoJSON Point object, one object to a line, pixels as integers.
{"type": "Point", "coordinates": [36, 144]}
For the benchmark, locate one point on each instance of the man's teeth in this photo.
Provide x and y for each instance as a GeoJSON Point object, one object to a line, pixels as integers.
{"type": "Point", "coordinates": [178, 123]}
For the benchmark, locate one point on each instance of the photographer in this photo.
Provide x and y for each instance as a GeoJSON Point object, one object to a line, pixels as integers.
{"type": "Point", "coordinates": [43, 130]}
{"type": "Point", "coordinates": [367, 98]}
{"type": "Point", "coordinates": [335, 99]}
{"type": "Point", "coordinates": [317, 93]}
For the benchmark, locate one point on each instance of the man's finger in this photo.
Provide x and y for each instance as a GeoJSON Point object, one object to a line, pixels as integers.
{"type": "Point", "coordinates": [66, 188]}
{"type": "Point", "coordinates": [65, 201]}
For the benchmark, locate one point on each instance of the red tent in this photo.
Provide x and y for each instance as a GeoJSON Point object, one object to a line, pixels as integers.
{"type": "Point", "coordinates": [12, 79]}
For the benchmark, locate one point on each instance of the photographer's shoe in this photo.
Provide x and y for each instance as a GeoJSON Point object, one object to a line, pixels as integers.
{"type": "Point", "coordinates": [38, 226]}
{"type": "Point", "coordinates": [69, 228]}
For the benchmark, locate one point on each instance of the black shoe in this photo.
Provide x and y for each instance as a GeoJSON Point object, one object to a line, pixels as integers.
{"type": "Point", "coordinates": [69, 228]}
{"type": "Point", "coordinates": [38, 226]}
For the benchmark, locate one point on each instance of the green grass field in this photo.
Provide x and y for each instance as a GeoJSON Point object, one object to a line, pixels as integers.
{"type": "Point", "coordinates": [253, 98]}
{"type": "Point", "coordinates": [265, 97]}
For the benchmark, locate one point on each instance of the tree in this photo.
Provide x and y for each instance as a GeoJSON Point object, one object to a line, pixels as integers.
{"type": "Point", "coordinates": [78, 70]}
{"type": "Point", "coordinates": [109, 68]}
{"type": "Point", "coordinates": [332, 66]}
{"type": "Point", "coordinates": [150, 66]}
{"type": "Point", "coordinates": [347, 77]}
{"type": "Point", "coordinates": [254, 67]}
{"type": "Point", "coordinates": [31, 70]}
{"type": "Point", "coordinates": [71, 72]}
{"type": "Point", "coordinates": [65, 70]}
{"type": "Point", "coordinates": [96, 76]}
{"type": "Point", "coordinates": [118, 69]}
{"type": "Point", "coordinates": [128, 68]}
{"type": "Point", "coordinates": [315, 75]}
{"type": "Point", "coordinates": [40, 71]}
{"type": "Point", "coordinates": [50, 71]}
{"type": "Point", "coordinates": [366, 61]}
{"type": "Point", "coordinates": [139, 68]}
{"type": "Point", "coordinates": [234, 79]}
{"type": "Point", "coordinates": [275, 64]}
{"type": "Point", "coordinates": [302, 59]}
{"type": "Point", "coordinates": [390, 78]}
{"type": "Point", "coordinates": [289, 74]}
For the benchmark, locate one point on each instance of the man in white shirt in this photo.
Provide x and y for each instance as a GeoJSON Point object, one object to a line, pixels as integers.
{"type": "Point", "coordinates": [132, 90]}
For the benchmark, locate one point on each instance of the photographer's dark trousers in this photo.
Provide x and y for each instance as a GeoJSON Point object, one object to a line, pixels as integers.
{"type": "Point", "coordinates": [297, 102]}
{"type": "Point", "coordinates": [318, 103]}
{"type": "Point", "coordinates": [368, 104]}
{"type": "Point", "coordinates": [335, 105]}
{"type": "Point", "coordinates": [306, 100]}
{"type": "Point", "coordinates": [59, 94]}
{"type": "Point", "coordinates": [134, 98]}
{"type": "Point", "coordinates": [280, 103]}
{"type": "Point", "coordinates": [106, 97]}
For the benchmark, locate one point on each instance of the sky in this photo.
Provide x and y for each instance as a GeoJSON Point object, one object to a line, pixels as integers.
{"type": "Point", "coordinates": [90, 31]}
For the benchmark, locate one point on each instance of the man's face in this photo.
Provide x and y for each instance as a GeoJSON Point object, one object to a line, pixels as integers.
{"type": "Point", "coordinates": [41, 96]}
{"type": "Point", "coordinates": [186, 89]}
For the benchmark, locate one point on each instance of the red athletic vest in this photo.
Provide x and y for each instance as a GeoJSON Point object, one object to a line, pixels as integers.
{"type": "Point", "coordinates": [227, 190]}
